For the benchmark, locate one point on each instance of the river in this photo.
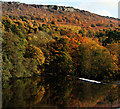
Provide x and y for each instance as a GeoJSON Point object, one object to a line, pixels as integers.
{"type": "Point", "coordinates": [59, 92]}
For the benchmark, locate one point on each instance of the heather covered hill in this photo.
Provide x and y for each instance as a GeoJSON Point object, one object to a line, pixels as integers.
{"type": "Point", "coordinates": [58, 14]}
{"type": "Point", "coordinates": [58, 40]}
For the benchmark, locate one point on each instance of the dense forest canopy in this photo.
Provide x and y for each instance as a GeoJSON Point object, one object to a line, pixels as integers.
{"type": "Point", "coordinates": [59, 41]}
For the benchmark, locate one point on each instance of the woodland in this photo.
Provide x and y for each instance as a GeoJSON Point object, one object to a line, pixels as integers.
{"type": "Point", "coordinates": [38, 41]}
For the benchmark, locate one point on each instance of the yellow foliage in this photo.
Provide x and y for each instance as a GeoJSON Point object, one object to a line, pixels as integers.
{"type": "Point", "coordinates": [35, 37]}
{"type": "Point", "coordinates": [36, 53]}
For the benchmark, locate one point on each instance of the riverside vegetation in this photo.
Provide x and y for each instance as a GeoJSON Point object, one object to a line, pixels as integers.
{"type": "Point", "coordinates": [58, 41]}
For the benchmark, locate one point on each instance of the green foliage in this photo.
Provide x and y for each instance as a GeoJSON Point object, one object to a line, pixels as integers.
{"type": "Point", "coordinates": [7, 22]}
{"type": "Point", "coordinates": [111, 25]}
{"type": "Point", "coordinates": [40, 39]}
{"type": "Point", "coordinates": [31, 31]}
{"type": "Point", "coordinates": [61, 61]}
{"type": "Point", "coordinates": [112, 36]}
{"type": "Point", "coordinates": [96, 61]}
{"type": "Point", "coordinates": [53, 22]}
{"type": "Point", "coordinates": [7, 66]}
{"type": "Point", "coordinates": [82, 32]}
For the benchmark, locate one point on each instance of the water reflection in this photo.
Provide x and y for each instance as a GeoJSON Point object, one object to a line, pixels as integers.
{"type": "Point", "coordinates": [23, 93]}
{"type": "Point", "coordinates": [59, 92]}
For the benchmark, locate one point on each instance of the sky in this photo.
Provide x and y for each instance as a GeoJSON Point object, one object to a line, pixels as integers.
{"type": "Point", "coordinates": [101, 7]}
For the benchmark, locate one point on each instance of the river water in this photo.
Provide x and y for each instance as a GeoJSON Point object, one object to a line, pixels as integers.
{"type": "Point", "coordinates": [59, 92]}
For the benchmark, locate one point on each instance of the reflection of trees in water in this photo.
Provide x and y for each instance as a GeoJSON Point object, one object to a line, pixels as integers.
{"type": "Point", "coordinates": [87, 94]}
{"type": "Point", "coordinates": [72, 94]}
{"type": "Point", "coordinates": [91, 95]}
{"type": "Point", "coordinates": [113, 95]}
{"type": "Point", "coordinates": [22, 93]}
{"type": "Point", "coordinates": [58, 91]}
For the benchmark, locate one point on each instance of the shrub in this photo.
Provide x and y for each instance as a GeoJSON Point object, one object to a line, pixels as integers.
{"type": "Point", "coordinates": [93, 25]}
{"type": "Point", "coordinates": [111, 25]}
{"type": "Point", "coordinates": [99, 24]}
{"type": "Point", "coordinates": [53, 22]}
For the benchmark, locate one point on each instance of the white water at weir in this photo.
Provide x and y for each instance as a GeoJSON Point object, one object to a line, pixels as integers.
{"type": "Point", "coordinates": [98, 82]}
{"type": "Point", "coordinates": [92, 81]}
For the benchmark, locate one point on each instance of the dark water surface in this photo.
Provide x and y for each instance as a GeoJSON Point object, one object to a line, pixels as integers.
{"type": "Point", "coordinates": [59, 92]}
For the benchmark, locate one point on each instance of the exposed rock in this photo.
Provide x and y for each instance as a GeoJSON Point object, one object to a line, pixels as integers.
{"type": "Point", "coordinates": [16, 3]}
{"type": "Point", "coordinates": [57, 8]}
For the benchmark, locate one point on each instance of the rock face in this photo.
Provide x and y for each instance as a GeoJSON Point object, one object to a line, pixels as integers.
{"type": "Point", "coordinates": [8, 3]}
{"type": "Point", "coordinates": [58, 8]}
{"type": "Point", "coordinates": [54, 7]}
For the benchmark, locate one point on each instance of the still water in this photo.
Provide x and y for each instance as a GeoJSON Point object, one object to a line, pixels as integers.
{"type": "Point", "coordinates": [59, 92]}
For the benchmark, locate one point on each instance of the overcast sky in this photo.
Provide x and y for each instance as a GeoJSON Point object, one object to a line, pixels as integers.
{"type": "Point", "coordinates": [101, 7]}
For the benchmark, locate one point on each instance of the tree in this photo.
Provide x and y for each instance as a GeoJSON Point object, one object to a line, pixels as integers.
{"type": "Point", "coordinates": [53, 22]}
{"type": "Point", "coordinates": [95, 60]}
{"type": "Point", "coordinates": [93, 25]}
{"type": "Point", "coordinates": [35, 53]}
{"type": "Point", "coordinates": [61, 61]}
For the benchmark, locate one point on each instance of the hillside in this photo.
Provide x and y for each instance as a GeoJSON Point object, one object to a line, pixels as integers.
{"type": "Point", "coordinates": [58, 40]}
{"type": "Point", "coordinates": [59, 14]}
